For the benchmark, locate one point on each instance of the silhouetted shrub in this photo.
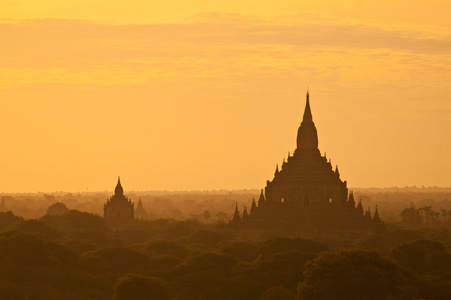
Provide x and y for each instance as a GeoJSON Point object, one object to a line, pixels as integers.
{"type": "Point", "coordinates": [277, 293]}
{"type": "Point", "coordinates": [281, 269]}
{"type": "Point", "coordinates": [7, 219]}
{"type": "Point", "coordinates": [162, 263]}
{"type": "Point", "coordinates": [123, 260]}
{"type": "Point", "coordinates": [57, 208]}
{"type": "Point", "coordinates": [243, 251]}
{"type": "Point", "coordinates": [37, 228]}
{"type": "Point", "coordinates": [168, 248]}
{"type": "Point", "coordinates": [193, 286]}
{"type": "Point", "coordinates": [75, 220]}
{"type": "Point", "coordinates": [136, 287]}
{"type": "Point", "coordinates": [376, 242]}
{"type": "Point", "coordinates": [10, 291]}
{"type": "Point", "coordinates": [350, 274]}
{"type": "Point", "coordinates": [22, 249]}
{"type": "Point", "coordinates": [211, 237]}
{"type": "Point", "coordinates": [424, 256]}
{"type": "Point", "coordinates": [207, 263]}
{"type": "Point", "coordinates": [402, 235]}
{"type": "Point", "coordinates": [79, 246]}
{"type": "Point", "coordinates": [279, 245]}
{"type": "Point", "coordinates": [99, 238]}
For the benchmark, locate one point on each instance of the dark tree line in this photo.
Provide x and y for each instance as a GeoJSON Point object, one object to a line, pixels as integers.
{"type": "Point", "coordinates": [74, 255]}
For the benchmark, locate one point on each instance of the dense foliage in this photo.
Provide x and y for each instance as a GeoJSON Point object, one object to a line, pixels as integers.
{"type": "Point", "coordinates": [74, 255]}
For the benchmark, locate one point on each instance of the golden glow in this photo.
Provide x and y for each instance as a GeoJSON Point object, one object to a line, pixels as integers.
{"type": "Point", "coordinates": [205, 95]}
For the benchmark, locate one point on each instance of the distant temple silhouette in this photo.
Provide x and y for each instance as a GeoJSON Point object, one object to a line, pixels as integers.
{"type": "Point", "coordinates": [118, 210]}
{"type": "Point", "coordinates": [140, 212]}
{"type": "Point", "coordinates": [306, 195]}
{"type": "Point", "coordinates": [3, 206]}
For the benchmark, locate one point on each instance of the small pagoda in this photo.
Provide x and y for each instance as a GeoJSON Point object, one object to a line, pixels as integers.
{"type": "Point", "coordinates": [118, 210]}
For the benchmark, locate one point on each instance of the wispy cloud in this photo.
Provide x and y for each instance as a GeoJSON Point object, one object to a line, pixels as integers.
{"type": "Point", "coordinates": [231, 74]}
{"type": "Point", "coordinates": [77, 51]}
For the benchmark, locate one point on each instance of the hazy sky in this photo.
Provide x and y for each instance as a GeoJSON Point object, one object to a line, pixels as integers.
{"type": "Point", "coordinates": [184, 95]}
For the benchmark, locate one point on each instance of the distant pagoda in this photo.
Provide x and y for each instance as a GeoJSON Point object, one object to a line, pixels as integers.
{"type": "Point", "coordinates": [140, 212]}
{"type": "Point", "coordinates": [3, 206]}
{"type": "Point", "coordinates": [306, 195]}
{"type": "Point", "coordinates": [118, 210]}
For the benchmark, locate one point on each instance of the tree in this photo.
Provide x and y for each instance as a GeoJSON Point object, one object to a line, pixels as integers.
{"type": "Point", "coordinates": [280, 245]}
{"type": "Point", "coordinates": [350, 274]}
{"type": "Point", "coordinates": [168, 248]}
{"type": "Point", "coordinates": [123, 260]}
{"type": "Point", "coordinates": [423, 256]}
{"type": "Point", "coordinates": [137, 287]}
{"type": "Point", "coordinates": [277, 293]}
{"type": "Point", "coordinates": [57, 208]}
{"type": "Point", "coordinates": [207, 263]}
{"type": "Point", "coordinates": [10, 291]}
{"type": "Point", "coordinates": [243, 251]}
{"type": "Point", "coordinates": [7, 219]}
{"type": "Point", "coordinates": [411, 217]}
{"type": "Point", "coordinates": [75, 220]}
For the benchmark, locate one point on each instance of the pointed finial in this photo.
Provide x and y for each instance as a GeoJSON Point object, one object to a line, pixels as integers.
{"type": "Point", "coordinates": [376, 217]}
{"type": "Point", "coordinates": [236, 215]}
{"type": "Point", "coordinates": [360, 206]}
{"type": "Point", "coordinates": [261, 200]}
{"type": "Point", "coordinates": [253, 205]}
{"type": "Point", "coordinates": [351, 200]}
{"type": "Point", "coordinates": [307, 112]}
{"type": "Point", "coordinates": [119, 190]}
{"type": "Point", "coordinates": [245, 214]}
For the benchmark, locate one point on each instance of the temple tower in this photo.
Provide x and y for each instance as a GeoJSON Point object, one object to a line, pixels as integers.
{"type": "Point", "coordinates": [306, 195]}
{"type": "Point", "coordinates": [118, 210]}
{"type": "Point", "coordinates": [306, 179]}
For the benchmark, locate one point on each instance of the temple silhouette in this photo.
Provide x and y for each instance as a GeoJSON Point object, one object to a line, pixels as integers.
{"type": "Point", "coordinates": [306, 196]}
{"type": "Point", "coordinates": [118, 210]}
{"type": "Point", "coordinates": [140, 212]}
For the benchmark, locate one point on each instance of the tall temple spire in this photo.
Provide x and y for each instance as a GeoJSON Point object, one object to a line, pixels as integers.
{"type": "Point", "coordinates": [307, 111]}
{"type": "Point", "coordinates": [2, 205]}
{"type": "Point", "coordinates": [118, 190]}
{"type": "Point", "coordinates": [236, 215]}
{"type": "Point", "coordinates": [307, 135]}
{"type": "Point", "coordinates": [261, 200]}
{"type": "Point", "coordinates": [254, 205]}
{"type": "Point", "coordinates": [245, 214]}
{"type": "Point", "coordinates": [351, 201]}
{"type": "Point", "coordinates": [376, 217]}
{"type": "Point", "coordinates": [360, 206]}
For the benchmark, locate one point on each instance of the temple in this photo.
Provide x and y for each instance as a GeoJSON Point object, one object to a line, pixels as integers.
{"type": "Point", "coordinates": [2, 205]}
{"type": "Point", "coordinates": [118, 210]}
{"type": "Point", "coordinates": [306, 196]}
{"type": "Point", "coordinates": [140, 212]}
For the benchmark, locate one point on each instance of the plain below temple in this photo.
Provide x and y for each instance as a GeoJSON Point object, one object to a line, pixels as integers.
{"type": "Point", "coordinates": [306, 195]}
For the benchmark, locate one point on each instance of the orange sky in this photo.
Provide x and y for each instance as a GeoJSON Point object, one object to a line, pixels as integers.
{"type": "Point", "coordinates": [202, 95]}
